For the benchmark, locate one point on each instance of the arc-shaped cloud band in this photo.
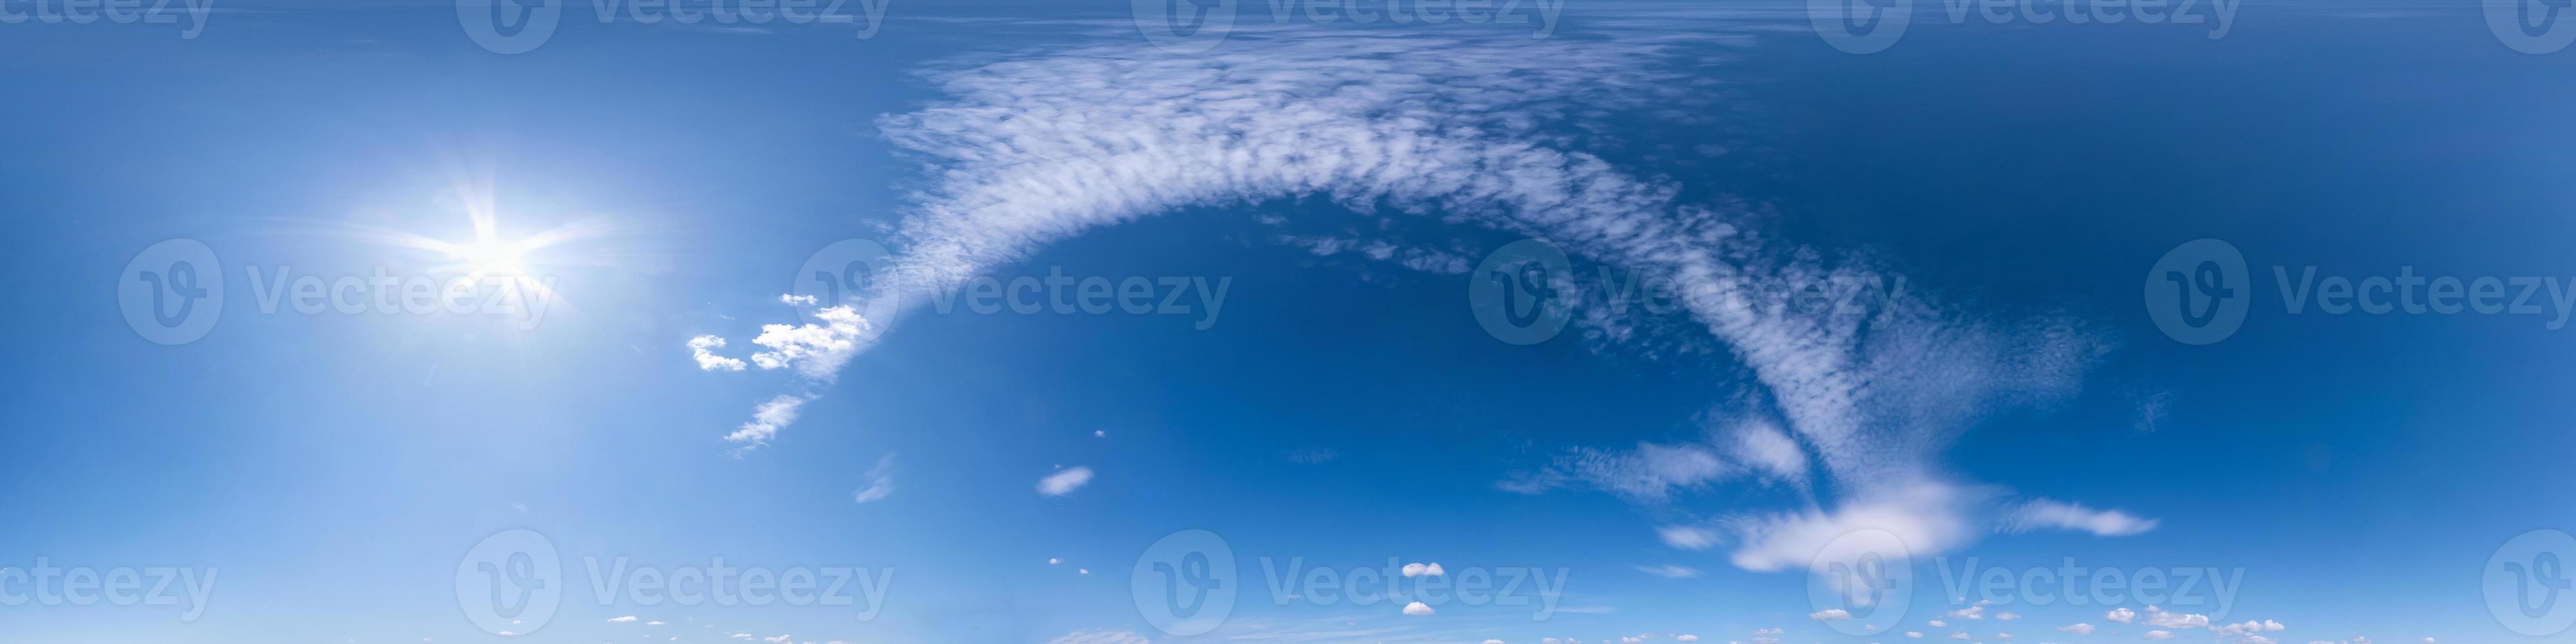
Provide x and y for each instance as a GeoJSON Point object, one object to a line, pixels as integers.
{"type": "Point", "coordinates": [1032, 149]}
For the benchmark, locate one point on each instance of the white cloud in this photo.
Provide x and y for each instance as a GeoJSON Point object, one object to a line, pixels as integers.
{"type": "Point", "coordinates": [817, 351]}
{"type": "Point", "coordinates": [1417, 608]}
{"type": "Point", "coordinates": [2078, 628]}
{"type": "Point", "coordinates": [653, 623]}
{"type": "Point", "coordinates": [880, 481]}
{"type": "Point", "coordinates": [1669, 571]}
{"type": "Point", "coordinates": [1830, 614]}
{"type": "Point", "coordinates": [2121, 615]}
{"type": "Point", "coordinates": [1493, 642]}
{"type": "Point", "coordinates": [1418, 570]}
{"type": "Point", "coordinates": [1937, 623]}
{"type": "Point", "coordinates": [797, 300]}
{"type": "Point", "coordinates": [1914, 634]}
{"type": "Point", "coordinates": [1103, 636]}
{"type": "Point", "coordinates": [628, 618]}
{"type": "Point", "coordinates": [1064, 481]}
{"type": "Point", "coordinates": [2158, 635]}
{"type": "Point", "coordinates": [1687, 537]}
{"type": "Point", "coordinates": [767, 418]}
{"type": "Point", "coordinates": [1971, 612]}
{"type": "Point", "coordinates": [2044, 513]}
{"type": "Point", "coordinates": [1959, 635]}
{"type": "Point", "coordinates": [2007, 616]}
{"type": "Point", "coordinates": [1686, 638]}
{"type": "Point", "coordinates": [2159, 618]}
{"type": "Point", "coordinates": [702, 348]}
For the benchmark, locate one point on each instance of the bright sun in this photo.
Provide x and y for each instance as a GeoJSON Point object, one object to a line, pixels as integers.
{"type": "Point", "coordinates": [491, 256]}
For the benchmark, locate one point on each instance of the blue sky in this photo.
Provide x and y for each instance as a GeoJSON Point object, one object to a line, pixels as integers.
{"type": "Point", "coordinates": [1301, 373]}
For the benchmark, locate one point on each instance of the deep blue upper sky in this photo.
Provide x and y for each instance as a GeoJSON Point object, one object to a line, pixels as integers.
{"type": "Point", "coordinates": [1344, 409]}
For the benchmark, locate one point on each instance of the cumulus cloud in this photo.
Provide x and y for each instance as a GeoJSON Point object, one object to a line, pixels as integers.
{"type": "Point", "coordinates": [1419, 570]}
{"type": "Point", "coordinates": [1830, 615]}
{"type": "Point", "coordinates": [814, 350]}
{"type": "Point", "coordinates": [628, 618]}
{"type": "Point", "coordinates": [1686, 638]}
{"type": "Point", "coordinates": [1971, 612]}
{"type": "Point", "coordinates": [2044, 513]}
{"type": "Point", "coordinates": [2158, 635]}
{"type": "Point", "coordinates": [2160, 618]}
{"type": "Point", "coordinates": [792, 299]}
{"type": "Point", "coordinates": [1064, 481]}
{"type": "Point", "coordinates": [2078, 628]}
{"type": "Point", "coordinates": [1417, 608]}
{"type": "Point", "coordinates": [2120, 615]}
{"type": "Point", "coordinates": [880, 481]}
{"type": "Point", "coordinates": [703, 349]}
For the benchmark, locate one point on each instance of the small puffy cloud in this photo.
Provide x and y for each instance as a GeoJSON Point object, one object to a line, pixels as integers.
{"type": "Point", "coordinates": [1830, 614]}
{"type": "Point", "coordinates": [703, 349]}
{"type": "Point", "coordinates": [1959, 635]}
{"type": "Point", "coordinates": [1493, 642]}
{"type": "Point", "coordinates": [781, 639]}
{"type": "Point", "coordinates": [1053, 561]}
{"type": "Point", "coordinates": [1769, 631]}
{"type": "Point", "coordinates": [816, 350]}
{"type": "Point", "coordinates": [1423, 570]}
{"type": "Point", "coordinates": [628, 618]}
{"type": "Point", "coordinates": [2044, 513]}
{"type": "Point", "coordinates": [792, 299]}
{"type": "Point", "coordinates": [2007, 616]}
{"type": "Point", "coordinates": [1914, 634]}
{"type": "Point", "coordinates": [1417, 608]}
{"type": "Point", "coordinates": [1669, 571]}
{"type": "Point", "coordinates": [2161, 618]}
{"type": "Point", "coordinates": [880, 481]}
{"type": "Point", "coordinates": [2158, 635]}
{"type": "Point", "coordinates": [1971, 612]}
{"type": "Point", "coordinates": [1937, 623]}
{"type": "Point", "coordinates": [2247, 628]}
{"type": "Point", "coordinates": [2078, 628]}
{"type": "Point", "coordinates": [2120, 615]}
{"type": "Point", "coordinates": [1686, 638]}
{"type": "Point", "coordinates": [653, 623]}
{"type": "Point", "coordinates": [1064, 481]}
